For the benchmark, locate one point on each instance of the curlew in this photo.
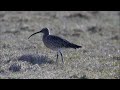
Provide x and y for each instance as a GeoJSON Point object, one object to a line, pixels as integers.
{"type": "Point", "coordinates": [55, 43]}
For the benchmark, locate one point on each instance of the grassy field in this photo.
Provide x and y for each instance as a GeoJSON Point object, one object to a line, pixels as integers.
{"type": "Point", "coordinates": [98, 32]}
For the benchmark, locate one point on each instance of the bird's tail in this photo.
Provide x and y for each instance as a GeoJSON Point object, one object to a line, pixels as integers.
{"type": "Point", "coordinates": [71, 45]}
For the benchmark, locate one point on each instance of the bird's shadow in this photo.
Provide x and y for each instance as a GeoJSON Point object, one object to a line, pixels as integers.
{"type": "Point", "coordinates": [35, 59]}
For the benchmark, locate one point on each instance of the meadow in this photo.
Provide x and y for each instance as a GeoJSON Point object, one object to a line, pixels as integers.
{"type": "Point", "coordinates": [98, 32]}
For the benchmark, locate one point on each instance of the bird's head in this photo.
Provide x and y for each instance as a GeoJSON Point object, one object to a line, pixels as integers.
{"type": "Point", "coordinates": [45, 31]}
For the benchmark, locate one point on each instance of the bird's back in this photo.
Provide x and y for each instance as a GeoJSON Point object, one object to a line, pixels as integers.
{"type": "Point", "coordinates": [55, 42]}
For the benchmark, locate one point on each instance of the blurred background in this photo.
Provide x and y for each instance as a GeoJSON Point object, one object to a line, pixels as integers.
{"type": "Point", "coordinates": [98, 32]}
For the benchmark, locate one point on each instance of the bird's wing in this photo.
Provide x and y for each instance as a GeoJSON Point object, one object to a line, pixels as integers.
{"type": "Point", "coordinates": [57, 41]}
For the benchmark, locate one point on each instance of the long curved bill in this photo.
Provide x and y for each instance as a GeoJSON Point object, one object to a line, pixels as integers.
{"type": "Point", "coordinates": [33, 34]}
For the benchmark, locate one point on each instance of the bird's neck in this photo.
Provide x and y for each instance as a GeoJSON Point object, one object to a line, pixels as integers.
{"type": "Point", "coordinates": [45, 35]}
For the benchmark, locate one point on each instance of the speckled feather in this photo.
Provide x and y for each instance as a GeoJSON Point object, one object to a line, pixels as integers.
{"type": "Point", "coordinates": [55, 42]}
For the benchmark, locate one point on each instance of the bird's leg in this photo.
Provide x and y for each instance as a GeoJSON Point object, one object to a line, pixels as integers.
{"type": "Point", "coordinates": [61, 57]}
{"type": "Point", "coordinates": [57, 58]}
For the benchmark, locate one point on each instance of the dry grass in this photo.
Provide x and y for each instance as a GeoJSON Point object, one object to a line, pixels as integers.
{"type": "Point", "coordinates": [98, 33]}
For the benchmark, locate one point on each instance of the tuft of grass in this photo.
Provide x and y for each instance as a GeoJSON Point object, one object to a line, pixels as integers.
{"type": "Point", "coordinates": [15, 67]}
{"type": "Point", "coordinates": [83, 77]}
{"type": "Point", "coordinates": [35, 59]}
{"type": "Point", "coordinates": [76, 77]}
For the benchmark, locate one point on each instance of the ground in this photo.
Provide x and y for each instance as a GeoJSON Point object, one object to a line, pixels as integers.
{"type": "Point", "coordinates": [98, 32]}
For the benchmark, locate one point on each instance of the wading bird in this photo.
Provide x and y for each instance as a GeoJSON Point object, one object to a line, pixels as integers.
{"type": "Point", "coordinates": [55, 43]}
